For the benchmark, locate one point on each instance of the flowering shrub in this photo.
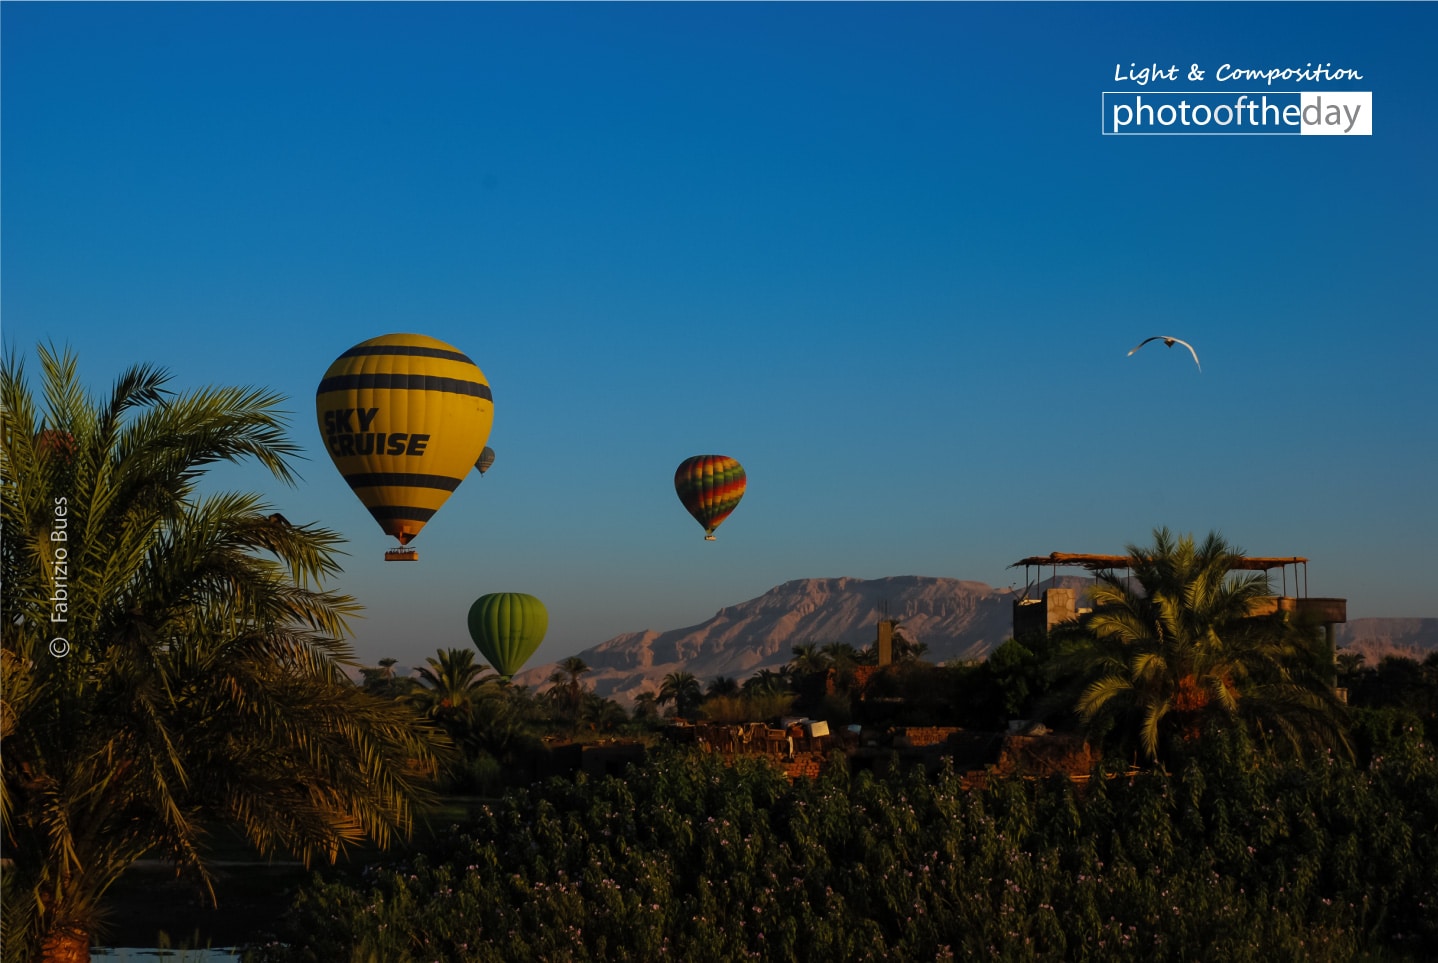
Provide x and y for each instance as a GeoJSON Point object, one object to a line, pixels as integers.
{"type": "Point", "coordinates": [1233, 857]}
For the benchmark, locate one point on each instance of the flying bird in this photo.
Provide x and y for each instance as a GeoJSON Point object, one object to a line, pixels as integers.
{"type": "Point", "coordinates": [1170, 342]}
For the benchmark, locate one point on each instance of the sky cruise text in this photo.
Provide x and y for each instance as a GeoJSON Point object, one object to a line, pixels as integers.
{"type": "Point", "coordinates": [343, 439]}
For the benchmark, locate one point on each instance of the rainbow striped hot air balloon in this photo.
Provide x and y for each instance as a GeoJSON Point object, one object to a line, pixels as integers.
{"type": "Point", "coordinates": [507, 627]}
{"type": "Point", "coordinates": [710, 487]}
{"type": "Point", "coordinates": [404, 418]}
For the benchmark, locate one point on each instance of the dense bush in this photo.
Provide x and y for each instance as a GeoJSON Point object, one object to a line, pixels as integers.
{"type": "Point", "coordinates": [737, 709]}
{"type": "Point", "coordinates": [687, 858]}
{"type": "Point", "coordinates": [1397, 682]}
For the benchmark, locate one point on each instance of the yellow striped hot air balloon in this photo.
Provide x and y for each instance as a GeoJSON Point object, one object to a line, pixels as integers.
{"type": "Point", "coordinates": [404, 417]}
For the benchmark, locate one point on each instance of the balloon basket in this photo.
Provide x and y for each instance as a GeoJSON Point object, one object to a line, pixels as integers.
{"type": "Point", "coordinates": [401, 555]}
{"type": "Point", "coordinates": [708, 538]}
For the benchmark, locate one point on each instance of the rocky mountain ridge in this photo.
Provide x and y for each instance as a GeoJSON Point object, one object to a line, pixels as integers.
{"type": "Point", "coordinates": [955, 618]}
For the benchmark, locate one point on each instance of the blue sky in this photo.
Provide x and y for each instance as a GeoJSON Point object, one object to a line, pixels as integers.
{"type": "Point", "coordinates": [880, 253]}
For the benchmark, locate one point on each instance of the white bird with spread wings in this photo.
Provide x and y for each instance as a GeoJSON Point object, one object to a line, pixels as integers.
{"type": "Point", "coordinates": [1170, 342]}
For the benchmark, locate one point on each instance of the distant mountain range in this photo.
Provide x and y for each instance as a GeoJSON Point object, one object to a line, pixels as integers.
{"type": "Point", "coordinates": [1376, 638]}
{"type": "Point", "coordinates": [956, 619]}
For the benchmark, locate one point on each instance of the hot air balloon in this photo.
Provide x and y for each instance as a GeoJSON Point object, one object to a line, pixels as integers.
{"type": "Point", "coordinates": [710, 487]}
{"type": "Point", "coordinates": [486, 458]}
{"type": "Point", "coordinates": [507, 627]}
{"type": "Point", "coordinates": [55, 443]}
{"type": "Point", "coordinates": [404, 418]}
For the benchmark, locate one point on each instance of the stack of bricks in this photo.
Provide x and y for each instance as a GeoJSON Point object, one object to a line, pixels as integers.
{"type": "Point", "coordinates": [804, 766]}
{"type": "Point", "coordinates": [917, 737]}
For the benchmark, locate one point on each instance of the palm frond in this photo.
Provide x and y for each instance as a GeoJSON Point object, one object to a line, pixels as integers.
{"type": "Point", "coordinates": [1097, 696]}
{"type": "Point", "coordinates": [1150, 733]}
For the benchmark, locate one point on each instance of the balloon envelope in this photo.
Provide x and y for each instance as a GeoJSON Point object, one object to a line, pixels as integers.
{"type": "Point", "coordinates": [507, 627]}
{"type": "Point", "coordinates": [56, 443]}
{"type": "Point", "coordinates": [486, 459]}
{"type": "Point", "coordinates": [710, 487]}
{"type": "Point", "coordinates": [404, 417]}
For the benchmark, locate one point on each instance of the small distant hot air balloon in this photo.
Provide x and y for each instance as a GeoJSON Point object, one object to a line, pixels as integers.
{"type": "Point", "coordinates": [486, 459]}
{"type": "Point", "coordinates": [710, 487]}
{"type": "Point", "coordinates": [404, 418]}
{"type": "Point", "coordinates": [507, 627]}
{"type": "Point", "coordinates": [56, 443]}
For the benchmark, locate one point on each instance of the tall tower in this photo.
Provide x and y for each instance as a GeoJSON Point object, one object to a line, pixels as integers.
{"type": "Point", "coordinates": [886, 635]}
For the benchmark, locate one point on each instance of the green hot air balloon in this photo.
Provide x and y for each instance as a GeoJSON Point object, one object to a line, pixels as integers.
{"type": "Point", "coordinates": [507, 627]}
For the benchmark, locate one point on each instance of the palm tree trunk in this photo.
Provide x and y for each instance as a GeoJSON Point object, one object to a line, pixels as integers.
{"type": "Point", "coordinates": [65, 944]}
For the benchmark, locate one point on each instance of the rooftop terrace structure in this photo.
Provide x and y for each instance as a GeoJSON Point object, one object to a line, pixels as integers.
{"type": "Point", "coordinates": [1055, 605]}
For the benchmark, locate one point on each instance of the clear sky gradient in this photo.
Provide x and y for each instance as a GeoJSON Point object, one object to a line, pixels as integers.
{"type": "Point", "coordinates": [880, 253]}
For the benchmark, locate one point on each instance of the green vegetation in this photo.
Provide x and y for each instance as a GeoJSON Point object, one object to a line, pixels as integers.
{"type": "Point", "coordinates": [1396, 682]}
{"type": "Point", "coordinates": [1236, 856]}
{"type": "Point", "coordinates": [171, 663]}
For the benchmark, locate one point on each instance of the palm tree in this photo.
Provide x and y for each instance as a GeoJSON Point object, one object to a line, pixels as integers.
{"type": "Point", "coordinates": [171, 659]}
{"type": "Point", "coordinates": [566, 691]}
{"type": "Point", "coordinates": [683, 689]}
{"type": "Point", "coordinates": [1184, 648]}
{"type": "Point", "coordinates": [1349, 666]}
{"type": "Point", "coordinates": [906, 648]}
{"type": "Point", "coordinates": [449, 686]}
{"type": "Point", "coordinates": [646, 706]}
{"type": "Point", "coordinates": [451, 680]}
{"type": "Point", "coordinates": [721, 685]}
{"type": "Point", "coordinates": [808, 659]}
{"type": "Point", "coordinates": [382, 680]}
{"type": "Point", "coordinates": [604, 715]}
{"type": "Point", "coordinates": [841, 656]}
{"type": "Point", "coordinates": [499, 726]}
{"type": "Point", "coordinates": [767, 682]}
